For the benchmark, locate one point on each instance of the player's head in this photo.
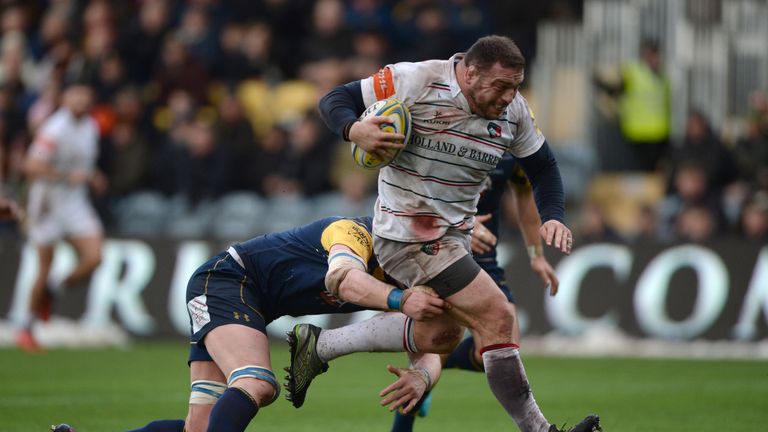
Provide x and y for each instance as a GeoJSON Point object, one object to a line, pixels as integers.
{"type": "Point", "coordinates": [493, 70]}
{"type": "Point", "coordinates": [78, 98]}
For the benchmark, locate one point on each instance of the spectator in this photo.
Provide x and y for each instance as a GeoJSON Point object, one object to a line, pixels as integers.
{"type": "Point", "coordinates": [702, 147]}
{"type": "Point", "coordinates": [235, 134]}
{"type": "Point", "coordinates": [754, 217]}
{"type": "Point", "coordinates": [593, 226]}
{"type": "Point", "coordinates": [177, 70]}
{"type": "Point", "coordinates": [231, 66]}
{"type": "Point", "coordinates": [196, 33]}
{"type": "Point", "coordinates": [309, 160]}
{"type": "Point", "coordinates": [691, 190]}
{"type": "Point", "coordinates": [329, 37]}
{"type": "Point", "coordinates": [202, 166]}
{"type": "Point", "coordinates": [751, 151]}
{"type": "Point", "coordinates": [644, 108]}
{"type": "Point", "coordinates": [268, 155]}
{"type": "Point", "coordinates": [141, 42]}
{"type": "Point", "coordinates": [696, 223]}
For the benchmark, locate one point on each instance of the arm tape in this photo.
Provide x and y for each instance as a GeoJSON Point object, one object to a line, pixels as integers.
{"type": "Point", "coordinates": [339, 264]}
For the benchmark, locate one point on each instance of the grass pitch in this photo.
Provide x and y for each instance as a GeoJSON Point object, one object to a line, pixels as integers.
{"type": "Point", "coordinates": [115, 390]}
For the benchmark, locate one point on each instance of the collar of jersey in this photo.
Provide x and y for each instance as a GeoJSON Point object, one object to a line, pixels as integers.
{"type": "Point", "coordinates": [453, 82]}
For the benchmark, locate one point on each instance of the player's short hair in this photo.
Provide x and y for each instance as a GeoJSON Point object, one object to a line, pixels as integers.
{"type": "Point", "coordinates": [489, 50]}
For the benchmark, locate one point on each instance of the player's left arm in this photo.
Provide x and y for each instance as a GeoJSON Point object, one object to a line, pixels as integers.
{"type": "Point", "coordinates": [412, 383]}
{"type": "Point", "coordinates": [349, 247]}
{"type": "Point", "coordinates": [524, 209]}
{"type": "Point", "coordinates": [539, 163]}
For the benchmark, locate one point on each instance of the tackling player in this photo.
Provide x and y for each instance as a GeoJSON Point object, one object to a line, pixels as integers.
{"type": "Point", "coordinates": [324, 267]}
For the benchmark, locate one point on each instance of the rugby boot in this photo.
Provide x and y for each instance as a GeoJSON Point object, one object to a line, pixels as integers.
{"type": "Point", "coordinates": [305, 363]}
{"type": "Point", "coordinates": [591, 423]}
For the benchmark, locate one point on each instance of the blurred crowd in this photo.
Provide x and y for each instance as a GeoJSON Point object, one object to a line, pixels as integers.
{"type": "Point", "coordinates": [200, 99]}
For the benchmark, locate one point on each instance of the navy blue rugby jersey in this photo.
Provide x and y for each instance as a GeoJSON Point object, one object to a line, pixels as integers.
{"type": "Point", "coordinates": [289, 267]}
{"type": "Point", "coordinates": [507, 172]}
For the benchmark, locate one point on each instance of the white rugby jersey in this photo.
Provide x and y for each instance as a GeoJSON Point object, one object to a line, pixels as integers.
{"type": "Point", "coordinates": [68, 144]}
{"type": "Point", "coordinates": [435, 182]}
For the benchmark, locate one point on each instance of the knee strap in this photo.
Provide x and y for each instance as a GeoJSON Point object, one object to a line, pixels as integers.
{"type": "Point", "coordinates": [259, 373]}
{"type": "Point", "coordinates": [205, 392]}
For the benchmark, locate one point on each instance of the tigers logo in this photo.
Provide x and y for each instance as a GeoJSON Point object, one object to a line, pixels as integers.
{"type": "Point", "coordinates": [431, 248]}
{"type": "Point", "coordinates": [494, 130]}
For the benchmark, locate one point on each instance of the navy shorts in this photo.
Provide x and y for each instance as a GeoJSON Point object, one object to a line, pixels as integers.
{"type": "Point", "coordinates": [497, 275]}
{"type": "Point", "coordinates": [219, 293]}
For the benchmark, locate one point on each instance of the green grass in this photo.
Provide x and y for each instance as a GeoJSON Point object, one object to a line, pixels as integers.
{"type": "Point", "coordinates": [115, 390]}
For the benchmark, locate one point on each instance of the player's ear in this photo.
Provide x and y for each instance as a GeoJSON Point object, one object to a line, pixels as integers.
{"type": "Point", "coordinates": [471, 73]}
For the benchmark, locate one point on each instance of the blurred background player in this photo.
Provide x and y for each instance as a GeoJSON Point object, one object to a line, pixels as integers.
{"type": "Point", "coordinates": [324, 267]}
{"type": "Point", "coordinates": [506, 184]}
{"type": "Point", "coordinates": [61, 165]}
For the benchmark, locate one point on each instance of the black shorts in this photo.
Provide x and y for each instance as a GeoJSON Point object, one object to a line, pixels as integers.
{"type": "Point", "coordinates": [219, 293]}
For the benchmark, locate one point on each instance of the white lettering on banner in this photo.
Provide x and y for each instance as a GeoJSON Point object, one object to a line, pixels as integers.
{"type": "Point", "coordinates": [755, 298]}
{"type": "Point", "coordinates": [653, 286]}
{"type": "Point", "coordinates": [562, 309]}
{"type": "Point", "coordinates": [64, 260]}
{"type": "Point", "coordinates": [189, 257]}
{"type": "Point", "coordinates": [127, 267]}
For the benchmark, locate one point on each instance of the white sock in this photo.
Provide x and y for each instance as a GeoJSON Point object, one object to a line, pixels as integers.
{"type": "Point", "coordinates": [506, 377]}
{"type": "Point", "coordinates": [382, 333]}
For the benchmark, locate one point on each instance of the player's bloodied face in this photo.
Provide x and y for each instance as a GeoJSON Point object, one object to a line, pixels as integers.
{"type": "Point", "coordinates": [490, 91]}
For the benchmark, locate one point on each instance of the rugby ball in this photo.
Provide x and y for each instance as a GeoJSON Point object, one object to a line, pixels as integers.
{"type": "Point", "coordinates": [400, 123]}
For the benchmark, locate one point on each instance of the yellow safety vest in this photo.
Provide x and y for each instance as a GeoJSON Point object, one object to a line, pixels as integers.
{"type": "Point", "coordinates": [644, 105]}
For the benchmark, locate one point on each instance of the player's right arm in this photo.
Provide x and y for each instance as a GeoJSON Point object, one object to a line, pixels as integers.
{"type": "Point", "coordinates": [412, 383]}
{"type": "Point", "coordinates": [340, 110]}
{"type": "Point", "coordinates": [349, 247]}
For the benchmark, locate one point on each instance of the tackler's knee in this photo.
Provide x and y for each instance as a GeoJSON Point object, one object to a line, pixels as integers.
{"type": "Point", "coordinates": [259, 382]}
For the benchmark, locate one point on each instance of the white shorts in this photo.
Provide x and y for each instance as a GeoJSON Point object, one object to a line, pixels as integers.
{"type": "Point", "coordinates": [414, 264]}
{"type": "Point", "coordinates": [51, 220]}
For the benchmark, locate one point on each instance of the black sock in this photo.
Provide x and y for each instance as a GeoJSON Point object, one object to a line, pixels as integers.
{"type": "Point", "coordinates": [232, 412]}
{"type": "Point", "coordinates": [162, 426]}
{"type": "Point", "coordinates": [403, 422]}
{"type": "Point", "coordinates": [463, 357]}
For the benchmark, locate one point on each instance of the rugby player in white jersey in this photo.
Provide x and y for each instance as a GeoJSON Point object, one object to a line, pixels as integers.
{"type": "Point", "coordinates": [61, 166]}
{"type": "Point", "coordinates": [466, 113]}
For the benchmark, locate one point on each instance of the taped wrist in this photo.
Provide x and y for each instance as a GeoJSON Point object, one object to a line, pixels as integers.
{"type": "Point", "coordinates": [424, 374]}
{"type": "Point", "coordinates": [397, 297]}
{"type": "Point", "coordinates": [535, 251]}
{"type": "Point", "coordinates": [339, 264]}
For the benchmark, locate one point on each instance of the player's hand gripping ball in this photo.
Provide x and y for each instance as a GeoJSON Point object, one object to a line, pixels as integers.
{"type": "Point", "coordinates": [400, 123]}
{"type": "Point", "coordinates": [62, 428]}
